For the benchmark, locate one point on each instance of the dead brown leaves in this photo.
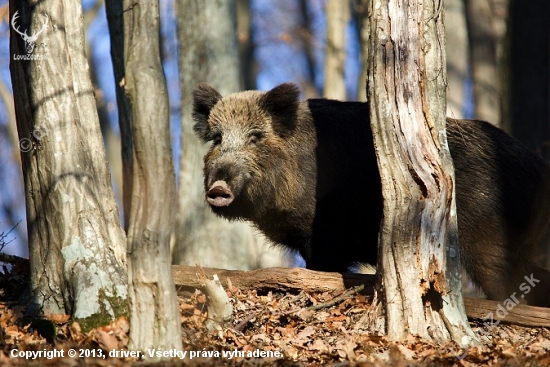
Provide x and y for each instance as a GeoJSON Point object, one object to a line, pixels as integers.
{"type": "Point", "coordinates": [286, 325]}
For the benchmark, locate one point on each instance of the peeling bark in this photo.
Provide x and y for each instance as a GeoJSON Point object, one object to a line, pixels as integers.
{"type": "Point", "coordinates": [419, 269]}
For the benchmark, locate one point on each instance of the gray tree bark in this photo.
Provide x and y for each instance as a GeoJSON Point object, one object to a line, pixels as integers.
{"type": "Point", "coordinates": [419, 269]}
{"type": "Point", "coordinates": [208, 53]}
{"type": "Point", "coordinates": [111, 139]}
{"type": "Point", "coordinates": [338, 15]}
{"type": "Point", "coordinates": [154, 311]}
{"type": "Point", "coordinates": [76, 244]}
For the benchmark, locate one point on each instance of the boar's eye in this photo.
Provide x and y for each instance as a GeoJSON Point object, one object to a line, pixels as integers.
{"type": "Point", "coordinates": [217, 139]}
{"type": "Point", "coordinates": [255, 136]}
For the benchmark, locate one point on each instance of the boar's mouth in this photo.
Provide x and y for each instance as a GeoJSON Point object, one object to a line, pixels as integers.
{"type": "Point", "coordinates": [219, 195]}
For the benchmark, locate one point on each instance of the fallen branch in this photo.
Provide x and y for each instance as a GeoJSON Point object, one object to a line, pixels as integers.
{"type": "Point", "coordinates": [295, 280]}
{"type": "Point", "coordinates": [338, 299]}
{"type": "Point", "coordinates": [520, 314]}
{"type": "Point", "coordinates": [12, 259]}
{"type": "Point", "coordinates": [219, 306]}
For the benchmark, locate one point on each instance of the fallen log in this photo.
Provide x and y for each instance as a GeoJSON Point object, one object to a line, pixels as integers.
{"type": "Point", "coordinates": [520, 314]}
{"type": "Point", "coordinates": [279, 279]}
{"type": "Point", "coordinates": [294, 280]}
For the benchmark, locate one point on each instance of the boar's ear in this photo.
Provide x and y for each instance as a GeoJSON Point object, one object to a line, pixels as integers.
{"type": "Point", "coordinates": [204, 98]}
{"type": "Point", "coordinates": [282, 104]}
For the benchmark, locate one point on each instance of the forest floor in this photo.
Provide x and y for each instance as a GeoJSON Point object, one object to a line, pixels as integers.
{"type": "Point", "coordinates": [267, 330]}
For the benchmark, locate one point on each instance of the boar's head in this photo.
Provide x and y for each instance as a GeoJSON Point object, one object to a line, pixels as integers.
{"type": "Point", "coordinates": [249, 169]}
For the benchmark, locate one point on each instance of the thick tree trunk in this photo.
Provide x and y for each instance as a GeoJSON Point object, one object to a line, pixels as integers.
{"type": "Point", "coordinates": [155, 319]}
{"type": "Point", "coordinates": [486, 29]}
{"type": "Point", "coordinates": [419, 264]}
{"type": "Point", "coordinates": [76, 244]}
{"type": "Point", "coordinates": [338, 14]}
{"type": "Point", "coordinates": [208, 53]}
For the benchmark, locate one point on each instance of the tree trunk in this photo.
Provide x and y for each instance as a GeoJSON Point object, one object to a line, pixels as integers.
{"type": "Point", "coordinates": [76, 244]}
{"type": "Point", "coordinates": [486, 29]}
{"type": "Point", "coordinates": [338, 14]}
{"type": "Point", "coordinates": [110, 138]}
{"type": "Point", "coordinates": [114, 11]}
{"type": "Point", "coordinates": [155, 318]}
{"type": "Point", "coordinates": [419, 267]}
{"type": "Point", "coordinates": [457, 56]}
{"type": "Point", "coordinates": [208, 53]}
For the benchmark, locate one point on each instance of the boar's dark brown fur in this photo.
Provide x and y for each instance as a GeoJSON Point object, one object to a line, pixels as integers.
{"type": "Point", "coordinates": [305, 174]}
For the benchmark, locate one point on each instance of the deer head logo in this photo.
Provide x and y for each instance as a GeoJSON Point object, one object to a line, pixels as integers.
{"type": "Point", "coordinates": [30, 41]}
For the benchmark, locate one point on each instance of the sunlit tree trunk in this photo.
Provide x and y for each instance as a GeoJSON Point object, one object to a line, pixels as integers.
{"type": "Point", "coordinates": [154, 311]}
{"type": "Point", "coordinates": [76, 244]}
{"type": "Point", "coordinates": [418, 266]}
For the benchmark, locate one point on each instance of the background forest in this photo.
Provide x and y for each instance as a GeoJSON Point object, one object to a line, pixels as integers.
{"type": "Point", "coordinates": [120, 74]}
{"type": "Point", "coordinates": [257, 44]}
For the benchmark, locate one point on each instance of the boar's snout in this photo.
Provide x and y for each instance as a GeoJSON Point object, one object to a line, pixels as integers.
{"type": "Point", "coordinates": [219, 194]}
